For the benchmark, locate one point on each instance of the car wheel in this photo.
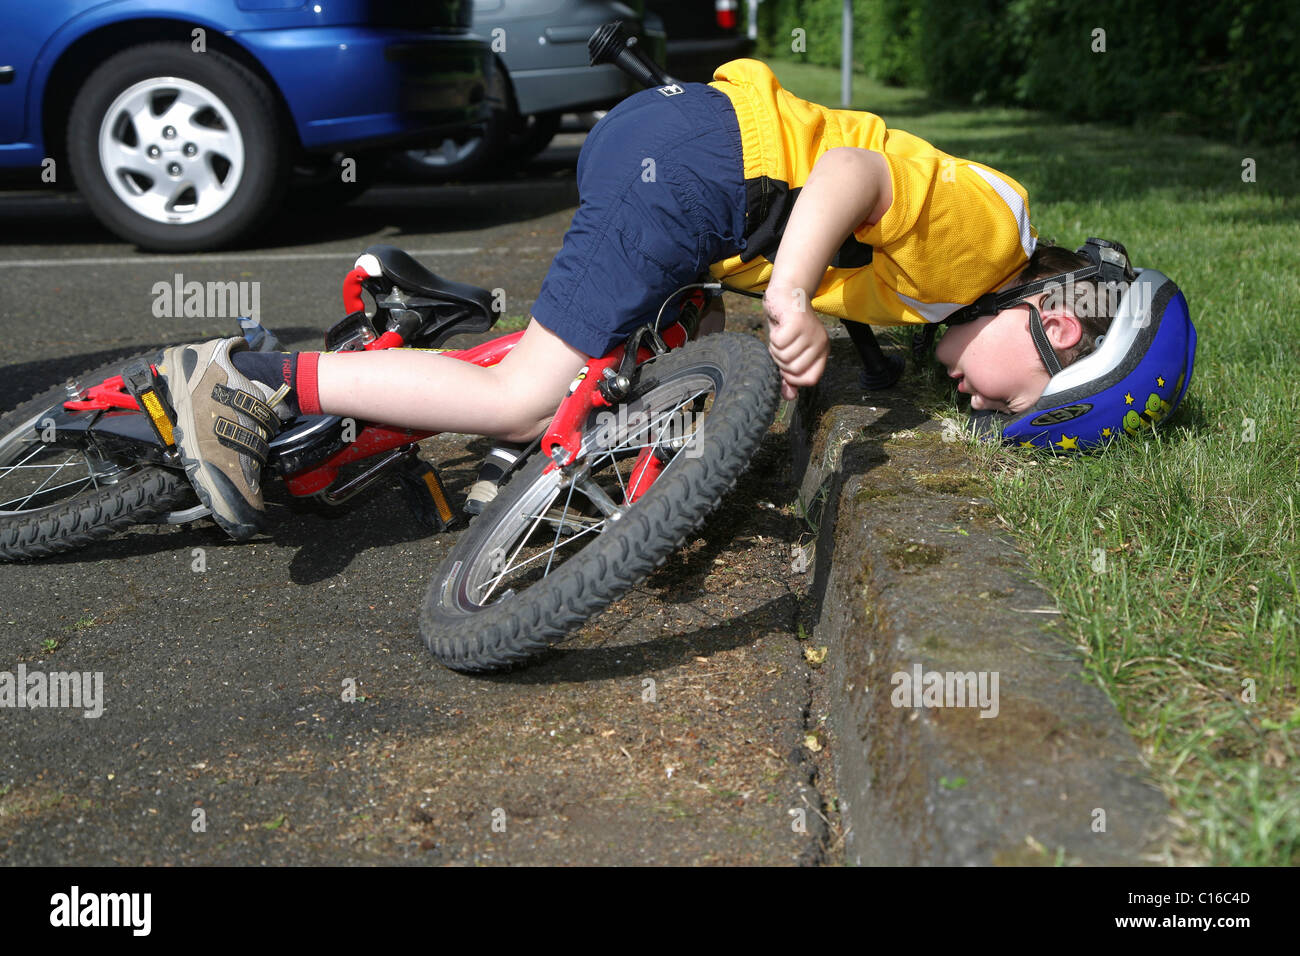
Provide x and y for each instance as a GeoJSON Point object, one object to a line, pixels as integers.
{"type": "Point", "coordinates": [534, 135]}
{"type": "Point", "coordinates": [456, 157]}
{"type": "Point", "coordinates": [469, 153]}
{"type": "Point", "coordinates": [328, 182]}
{"type": "Point", "coordinates": [508, 141]}
{"type": "Point", "coordinates": [176, 151]}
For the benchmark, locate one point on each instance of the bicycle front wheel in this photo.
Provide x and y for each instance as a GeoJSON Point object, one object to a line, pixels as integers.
{"type": "Point", "coordinates": [558, 545]}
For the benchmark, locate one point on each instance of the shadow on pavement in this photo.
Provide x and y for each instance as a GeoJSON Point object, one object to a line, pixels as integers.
{"type": "Point", "coordinates": [562, 665]}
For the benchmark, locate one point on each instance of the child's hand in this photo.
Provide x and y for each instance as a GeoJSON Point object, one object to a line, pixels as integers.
{"type": "Point", "coordinates": [797, 340]}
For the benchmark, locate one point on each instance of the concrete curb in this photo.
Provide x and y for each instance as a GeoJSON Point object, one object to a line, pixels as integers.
{"type": "Point", "coordinates": [913, 577]}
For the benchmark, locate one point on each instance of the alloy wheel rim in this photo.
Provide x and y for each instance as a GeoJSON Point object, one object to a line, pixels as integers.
{"type": "Point", "coordinates": [171, 150]}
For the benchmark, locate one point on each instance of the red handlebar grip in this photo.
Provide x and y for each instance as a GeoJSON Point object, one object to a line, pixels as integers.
{"type": "Point", "coordinates": [352, 301]}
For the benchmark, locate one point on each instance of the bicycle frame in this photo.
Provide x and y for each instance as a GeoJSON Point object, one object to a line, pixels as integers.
{"type": "Point", "coordinates": [562, 441]}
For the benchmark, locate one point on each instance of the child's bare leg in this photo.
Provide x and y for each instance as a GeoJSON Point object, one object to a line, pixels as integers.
{"type": "Point", "coordinates": [513, 400]}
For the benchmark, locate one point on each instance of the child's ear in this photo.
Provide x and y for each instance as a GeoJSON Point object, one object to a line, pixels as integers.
{"type": "Point", "coordinates": [1063, 329]}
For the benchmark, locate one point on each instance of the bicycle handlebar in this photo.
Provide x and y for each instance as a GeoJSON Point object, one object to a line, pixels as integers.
{"type": "Point", "coordinates": [611, 44]}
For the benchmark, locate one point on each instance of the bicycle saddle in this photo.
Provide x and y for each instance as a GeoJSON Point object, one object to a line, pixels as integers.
{"type": "Point", "coordinates": [403, 271]}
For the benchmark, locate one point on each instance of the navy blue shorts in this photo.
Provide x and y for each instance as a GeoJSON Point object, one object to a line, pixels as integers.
{"type": "Point", "coordinates": [661, 187]}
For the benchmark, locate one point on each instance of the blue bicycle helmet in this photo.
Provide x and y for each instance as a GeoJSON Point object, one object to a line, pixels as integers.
{"type": "Point", "coordinates": [1136, 375]}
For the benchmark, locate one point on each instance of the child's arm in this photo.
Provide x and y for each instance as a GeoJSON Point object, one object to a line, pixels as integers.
{"type": "Point", "coordinates": [846, 187]}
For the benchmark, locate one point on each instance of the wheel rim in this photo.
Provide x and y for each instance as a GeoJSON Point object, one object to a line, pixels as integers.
{"type": "Point", "coordinates": [448, 153]}
{"type": "Point", "coordinates": [36, 475]}
{"type": "Point", "coordinates": [171, 150]}
{"type": "Point", "coordinates": [560, 513]}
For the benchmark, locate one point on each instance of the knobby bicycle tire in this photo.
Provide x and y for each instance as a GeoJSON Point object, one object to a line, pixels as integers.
{"type": "Point", "coordinates": [472, 637]}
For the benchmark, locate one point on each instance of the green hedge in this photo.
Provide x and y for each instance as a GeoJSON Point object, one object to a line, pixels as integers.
{"type": "Point", "coordinates": [884, 35]}
{"type": "Point", "coordinates": [1224, 66]}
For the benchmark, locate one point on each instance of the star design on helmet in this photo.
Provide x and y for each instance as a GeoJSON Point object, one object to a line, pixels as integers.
{"type": "Point", "coordinates": [1026, 444]}
{"type": "Point", "coordinates": [1068, 442]}
{"type": "Point", "coordinates": [1160, 381]}
{"type": "Point", "coordinates": [1106, 432]}
{"type": "Point", "coordinates": [1128, 399]}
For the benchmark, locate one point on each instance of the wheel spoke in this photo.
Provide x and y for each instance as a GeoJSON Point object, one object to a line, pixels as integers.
{"type": "Point", "coordinates": [78, 482]}
{"type": "Point", "coordinates": [168, 195]}
{"type": "Point", "coordinates": [139, 111]}
{"type": "Point", "coordinates": [47, 480]}
{"type": "Point", "coordinates": [180, 112]}
{"type": "Point", "coordinates": [450, 151]}
{"type": "Point", "coordinates": [559, 527]}
{"type": "Point", "coordinates": [618, 475]}
{"type": "Point", "coordinates": [538, 556]}
{"type": "Point", "coordinates": [19, 499]}
{"type": "Point", "coordinates": [207, 190]}
{"type": "Point", "coordinates": [23, 464]}
{"type": "Point", "coordinates": [572, 521]}
{"type": "Point", "coordinates": [216, 142]}
{"type": "Point", "coordinates": [658, 422]}
{"type": "Point", "coordinates": [596, 495]}
{"type": "Point", "coordinates": [507, 568]}
{"type": "Point", "coordinates": [121, 158]}
{"type": "Point", "coordinates": [90, 470]}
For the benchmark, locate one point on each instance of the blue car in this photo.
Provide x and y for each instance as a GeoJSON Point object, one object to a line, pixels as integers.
{"type": "Point", "coordinates": [181, 123]}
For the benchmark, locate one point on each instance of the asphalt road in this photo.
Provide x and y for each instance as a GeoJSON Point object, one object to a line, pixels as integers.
{"type": "Point", "coordinates": [674, 728]}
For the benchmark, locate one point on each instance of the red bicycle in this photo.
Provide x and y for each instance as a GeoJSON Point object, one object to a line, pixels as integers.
{"type": "Point", "coordinates": [639, 452]}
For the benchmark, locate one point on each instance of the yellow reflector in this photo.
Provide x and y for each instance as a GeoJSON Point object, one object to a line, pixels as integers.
{"type": "Point", "coordinates": [158, 416]}
{"type": "Point", "coordinates": [439, 496]}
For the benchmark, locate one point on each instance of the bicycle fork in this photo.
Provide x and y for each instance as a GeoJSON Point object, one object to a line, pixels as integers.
{"type": "Point", "coordinates": [605, 383]}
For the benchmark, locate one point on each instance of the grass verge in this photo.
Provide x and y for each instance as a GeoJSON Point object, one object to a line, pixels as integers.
{"type": "Point", "coordinates": [1174, 559]}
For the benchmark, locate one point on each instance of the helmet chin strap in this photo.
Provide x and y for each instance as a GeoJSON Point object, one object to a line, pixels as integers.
{"type": "Point", "coordinates": [1039, 335]}
{"type": "Point", "coordinates": [1107, 261]}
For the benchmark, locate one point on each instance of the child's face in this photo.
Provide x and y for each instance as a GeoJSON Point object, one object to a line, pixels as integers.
{"type": "Point", "coordinates": [994, 360]}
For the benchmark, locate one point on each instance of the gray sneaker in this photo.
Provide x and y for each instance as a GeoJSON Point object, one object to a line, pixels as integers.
{"type": "Point", "coordinates": [224, 421]}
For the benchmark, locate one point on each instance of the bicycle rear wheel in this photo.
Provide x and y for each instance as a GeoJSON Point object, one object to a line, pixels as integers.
{"type": "Point", "coordinates": [57, 497]}
{"type": "Point", "coordinates": [556, 546]}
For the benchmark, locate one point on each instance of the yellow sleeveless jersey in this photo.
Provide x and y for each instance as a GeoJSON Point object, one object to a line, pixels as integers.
{"type": "Point", "coordinates": [956, 229]}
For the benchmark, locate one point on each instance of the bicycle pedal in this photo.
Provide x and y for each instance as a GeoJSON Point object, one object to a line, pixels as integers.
{"type": "Point", "coordinates": [426, 495]}
{"type": "Point", "coordinates": [140, 381]}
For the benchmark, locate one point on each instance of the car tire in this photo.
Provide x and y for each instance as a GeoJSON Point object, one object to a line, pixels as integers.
{"type": "Point", "coordinates": [177, 151]}
{"type": "Point", "coordinates": [533, 136]}
{"type": "Point", "coordinates": [323, 183]}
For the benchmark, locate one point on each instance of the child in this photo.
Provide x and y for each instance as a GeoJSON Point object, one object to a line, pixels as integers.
{"type": "Point", "coordinates": [871, 224]}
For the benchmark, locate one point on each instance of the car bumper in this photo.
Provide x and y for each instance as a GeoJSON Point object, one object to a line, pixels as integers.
{"type": "Point", "coordinates": [548, 61]}
{"type": "Point", "coordinates": [347, 86]}
{"type": "Point", "coordinates": [570, 88]}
